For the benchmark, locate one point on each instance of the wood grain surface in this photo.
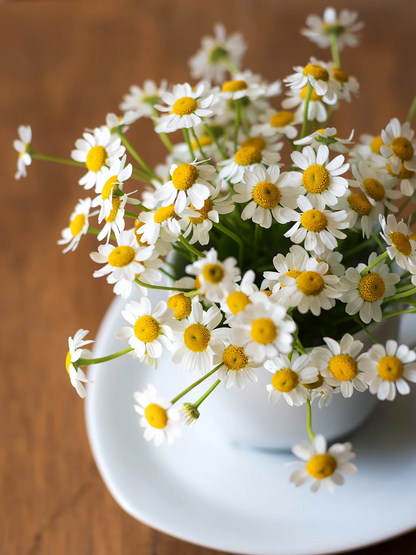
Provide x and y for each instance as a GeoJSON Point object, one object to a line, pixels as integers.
{"type": "Point", "coordinates": [63, 66]}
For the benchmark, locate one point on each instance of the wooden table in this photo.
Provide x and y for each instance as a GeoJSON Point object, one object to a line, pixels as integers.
{"type": "Point", "coordinates": [63, 66]}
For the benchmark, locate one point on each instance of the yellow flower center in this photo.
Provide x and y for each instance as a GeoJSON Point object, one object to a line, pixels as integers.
{"type": "Point", "coordinates": [403, 173]}
{"type": "Point", "coordinates": [146, 329]}
{"type": "Point", "coordinates": [156, 416]}
{"type": "Point", "coordinates": [281, 119]}
{"type": "Point", "coordinates": [267, 292]}
{"type": "Point", "coordinates": [237, 301]}
{"type": "Point", "coordinates": [401, 242]}
{"type": "Point", "coordinates": [116, 201]}
{"type": "Point", "coordinates": [96, 158]}
{"type": "Point", "coordinates": [212, 273]}
{"type": "Point", "coordinates": [77, 224]}
{"type": "Point", "coordinates": [247, 155]}
{"type": "Point", "coordinates": [263, 331]}
{"type": "Point", "coordinates": [315, 179]}
{"type": "Point", "coordinates": [315, 385]}
{"type": "Point", "coordinates": [340, 75]}
{"type": "Point", "coordinates": [293, 274]}
{"type": "Point", "coordinates": [372, 287]}
{"type": "Point", "coordinates": [234, 86]}
{"type": "Point", "coordinates": [137, 225]}
{"type": "Point", "coordinates": [413, 237]}
{"type": "Point", "coordinates": [204, 211]}
{"type": "Point", "coordinates": [310, 283]}
{"type": "Point", "coordinates": [257, 142]}
{"type": "Point", "coordinates": [376, 144]}
{"type": "Point", "coordinates": [121, 256]}
{"type": "Point", "coordinates": [343, 367]}
{"type": "Point", "coordinates": [285, 380]}
{"type": "Point", "coordinates": [68, 361]}
{"type": "Point", "coordinates": [164, 213]}
{"type": "Point", "coordinates": [402, 148]}
{"type": "Point", "coordinates": [321, 466]}
{"type": "Point", "coordinates": [196, 338]}
{"type": "Point", "coordinates": [314, 95]}
{"type": "Point", "coordinates": [109, 185]}
{"type": "Point", "coordinates": [374, 189]}
{"type": "Point", "coordinates": [184, 177]}
{"type": "Point", "coordinates": [181, 305]}
{"type": "Point", "coordinates": [266, 194]}
{"type": "Point", "coordinates": [360, 204]}
{"type": "Point", "coordinates": [234, 358]}
{"type": "Point", "coordinates": [184, 106]}
{"type": "Point", "coordinates": [390, 368]}
{"type": "Point", "coordinates": [318, 72]}
{"type": "Point", "coordinates": [314, 220]}
{"type": "Point", "coordinates": [203, 141]}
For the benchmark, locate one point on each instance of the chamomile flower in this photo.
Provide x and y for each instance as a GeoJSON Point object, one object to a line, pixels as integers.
{"type": "Point", "coordinates": [247, 158]}
{"type": "Point", "coordinates": [97, 150]}
{"type": "Point", "coordinates": [263, 329]}
{"type": "Point", "coordinates": [75, 352]}
{"type": "Point", "coordinates": [320, 180]}
{"type": "Point", "coordinates": [122, 262]}
{"type": "Point", "coordinates": [162, 223]}
{"type": "Point", "coordinates": [318, 229]}
{"type": "Point", "coordinates": [189, 184]}
{"type": "Point", "coordinates": [200, 224]}
{"type": "Point", "coordinates": [121, 123]}
{"type": "Point", "coordinates": [344, 84]}
{"type": "Point", "coordinates": [378, 188]}
{"type": "Point", "coordinates": [365, 294]}
{"type": "Point", "coordinates": [240, 88]}
{"type": "Point", "coordinates": [78, 225]}
{"type": "Point", "coordinates": [158, 417]}
{"type": "Point", "coordinates": [333, 259]}
{"type": "Point", "coordinates": [289, 377]}
{"type": "Point", "coordinates": [237, 301]}
{"type": "Point", "coordinates": [368, 149]}
{"type": "Point", "coordinates": [141, 100]}
{"type": "Point", "coordinates": [292, 265]}
{"type": "Point", "coordinates": [179, 302]}
{"type": "Point", "coordinates": [210, 61]}
{"type": "Point", "coordinates": [277, 123]}
{"type": "Point", "coordinates": [386, 369]}
{"type": "Point", "coordinates": [267, 193]}
{"type": "Point", "coordinates": [323, 467]}
{"type": "Point", "coordinates": [216, 278]}
{"type": "Point", "coordinates": [194, 338]}
{"type": "Point", "coordinates": [361, 213]}
{"type": "Point", "coordinates": [312, 290]}
{"type": "Point", "coordinates": [237, 368]}
{"type": "Point", "coordinates": [185, 106]}
{"type": "Point", "coordinates": [399, 147]}
{"type": "Point", "coordinates": [150, 330]}
{"type": "Point", "coordinates": [23, 147]}
{"type": "Point", "coordinates": [312, 74]}
{"type": "Point", "coordinates": [337, 363]}
{"type": "Point", "coordinates": [400, 246]}
{"type": "Point", "coordinates": [296, 99]}
{"type": "Point", "coordinates": [322, 391]}
{"type": "Point", "coordinates": [328, 137]}
{"type": "Point", "coordinates": [344, 26]}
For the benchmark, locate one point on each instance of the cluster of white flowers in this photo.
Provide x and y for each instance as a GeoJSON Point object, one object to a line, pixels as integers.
{"type": "Point", "coordinates": [264, 248]}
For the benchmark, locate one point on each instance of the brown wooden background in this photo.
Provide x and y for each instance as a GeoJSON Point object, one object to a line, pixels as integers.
{"type": "Point", "coordinates": [63, 66]}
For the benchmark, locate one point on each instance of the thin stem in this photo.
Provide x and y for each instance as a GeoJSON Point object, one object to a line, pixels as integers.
{"type": "Point", "coordinates": [188, 142]}
{"type": "Point", "coordinates": [300, 347]}
{"type": "Point", "coordinates": [182, 252]}
{"type": "Point", "coordinates": [412, 111]}
{"type": "Point", "coordinates": [190, 247]}
{"type": "Point", "coordinates": [167, 274]}
{"type": "Point", "coordinates": [90, 361]}
{"type": "Point", "coordinates": [335, 50]}
{"type": "Point", "coordinates": [236, 238]}
{"type": "Point", "coordinates": [309, 420]}
{"type": "Point", "coordinates": [364, 327]}
{"type": "Point", "coordinates": [66, 161]}
{"type": "Point", "coordinates": [217, 144]}
{"type": "Point", "coordinates": [198, 144]}
{"type": "Point", "coordinates": [136, 156]}
{"type": "Point", "coordinates": [295, 338]}
{"type": "Point", "coordinates": [401, 295]}
{"type": "Point", "coordinates": [408, 311]}
{"type": "Point", "coordinates": [305, 112]}
{"type": "Point", "coordinates": [237, 123]}
{"type": "Point", "coordinates": [377, 239]}
{"type": "Point", "coordinates": [191, 387]}
{"type": "Point", "coordinates": [205, 395]}
{"type": "Point", "coordinates": [232, 68]}
{"type": "Point", "coordinates": [245, 121]}
{"type": "Point", "coordinates": [131, 215]}
{"type": "Point", "coordinates": [160, 287]}
{"type": "Point", "coordinates": [375, 262]}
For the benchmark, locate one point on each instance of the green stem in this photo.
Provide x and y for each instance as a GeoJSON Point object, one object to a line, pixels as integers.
{"type": "Point", "coordinates": [90, 361]}
{"type": "Point", "coordinates": [377, 239]}
{"type": "Point", "coordinates": [364, 327]}
{"type": "Point", "coordinates": [188, 142]}
{"type": "Point", "coordinates": [412, 111]}
{"type": "Point", "coordinates": [245, 121]}
{"type": "Point", "coordinates": [57, 160]}
{"type": "Point", "coordinates": [182, 252]}
{"type": "Point", "coordinates": [237, 123]}
{"type": "Point", "coordinates": [217, 144]}
{"type": "Point", "coordinates": [190, 247]}
{"type": "Point", "coordinates": [299, 347]}
{"type": "Point", "coordinates": [408, 311]}
{"type": "Point", "coordinates": [236, 238]}
{"type": "Point", "coordinates": [232, 68]}
{"type": "Point", "coordinates": [131, 215]}
{"type": "Point", "coordinates": [136, 156]}
{"type": "Point", "coordinates": [295, 338]}
{"type": "Point", "coordinates": [198, 144]}
{"type": "Point", "coordinates": [161, 287]}
{"type": "Point", "coordinates": [205, 395]}
{"type": "Point", "coordinates": [401, 295]}
{"type": "Point", "coordinates": [305, 112]}
{"type": "Point", "coordinates": [374, 263]}
{"type": "Point", "coordinates": [335, 50]}
{"type": "Point", "coordinates": [309, 420]}
{"type": "Point", "coordinates": [167, 274]}
{"type": "Point", "coordinates": [191, 387]}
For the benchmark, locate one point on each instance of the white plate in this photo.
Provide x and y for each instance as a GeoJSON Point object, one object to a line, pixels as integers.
{"type": "Point", "coordinates": [206, 492]}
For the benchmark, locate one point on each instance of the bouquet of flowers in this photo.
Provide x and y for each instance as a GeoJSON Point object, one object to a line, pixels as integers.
{"type": "Point", "coordinates": [263, 269]}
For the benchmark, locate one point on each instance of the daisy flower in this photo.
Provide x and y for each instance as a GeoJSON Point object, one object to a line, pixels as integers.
{"type": "Point", "coordinates": [378, 188]}
{"type": "Point", "coordinates": [368, 149]}
{"type": "Point", "coordinates": [400, 246]}
{"type": "Point", "coordinates": [292, 265]}
{"type": "Point", "coordinates": [199, 225]}
{"type": "Point", "coordinates": [319, 229]}
{"type": "Point", "coordinates": [320, 180]}
{"type": "Point", "coordinates": [237, 368]}
{"type": "Point", "coordinates": [399, 147]}
{"type": "Point", "coordinates": [365, 294]}
{"type": "Point", "coordinates": [277, 123]}
{"type": "Point", "coordinates": [150, 329]}
{"type": "Point", "coordinates": [236, 301]}
{"type": "Point", "coordinates": [333, 259]}
{"type": "Point", "coordinates": [361, 213]}
{"type": "Point", "coordinates": [328, 137]}
{"type": "Point", "coordinates": [195, 337]}
{"type": "Point", "coordinates": [161, 223]}
{"type": "Point", "coordinates": [344, 26]}
{"type": "Point", "coordinates": [289, 377]}
{"type": "Point", "coordinates": [344, 84]}
{"type": "Point", "coordinates": [23, 147]}
{"type": "Point", "coordinates": [141, 100]}
{"type": "Point", "coordinates": [322, 391]}
{"type": "Point", "coordinates": [266, 192]}
{"type": "Point", "coordinates": [247, 158]}
{"type": "Point", "coordinates": [185, 106]}
{"type": "Point", "coordinates": [316, 109]}
{"type": "Point", "coordinates": [312, 290]}
{"type": "Point", "coordinates": [216, 278]}
{"type": "Point", "coordinates": [323, 467]}
{"type": "Point", "coordinates": [337, 363]}
{"type": "Point", "coordinates": [115, 123]}
{"type": "Point", "coordinates": [179, 302]}
{"type": "Point", "coordinates": [189, 184]}
{"type": "Point", "coordinates": [97, 150]}
{"type": "Point", "coordinates": [263, 329]}
{"type": "Point", "coordinates": [158, 416]}
{"type": "Point", "coordinates": [239, 88]}
{"type": "Point", "coordinates": [75, 352]}
{"type": "Point", "coordinates": [312, 74]}
{"type": "Point", "coordinates": [122, 263]}
{"type": "Point", "coordinates": [210, 61]}
{"type": "Point", "coordinates": [386, 369]}
{"type": "Point", "coordinates": [78, 225]}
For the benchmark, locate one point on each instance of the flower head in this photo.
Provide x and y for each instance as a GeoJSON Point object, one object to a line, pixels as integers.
{"type": "Point", "coordinates": [237, 367]}
{"type": "Point", "coordinates": [75, 352]}
{"type": "Point", "coordinates": [158, 416]}
{"type": "Point", "coordinates": [344, 26]}
{"type": "Point", "coordinates": [399, 147]}
{"type": "Point", "coordinates": [400, 245]}
{"type": "Point", "coordinates": [23, 147]}
{"type": "Point", "coordinates": [328, 137]}
{"type": "Point", "coordinates": [141, 100]}
{"type": "Point", "coordinates": [78, 225]}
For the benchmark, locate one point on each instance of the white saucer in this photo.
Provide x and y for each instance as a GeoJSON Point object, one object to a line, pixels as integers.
{"type": "Point", "coordinates": [207, 492]}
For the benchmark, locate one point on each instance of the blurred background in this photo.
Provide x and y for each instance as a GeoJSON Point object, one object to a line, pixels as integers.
{"type": "Point", "coordinates": [63, 67]}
